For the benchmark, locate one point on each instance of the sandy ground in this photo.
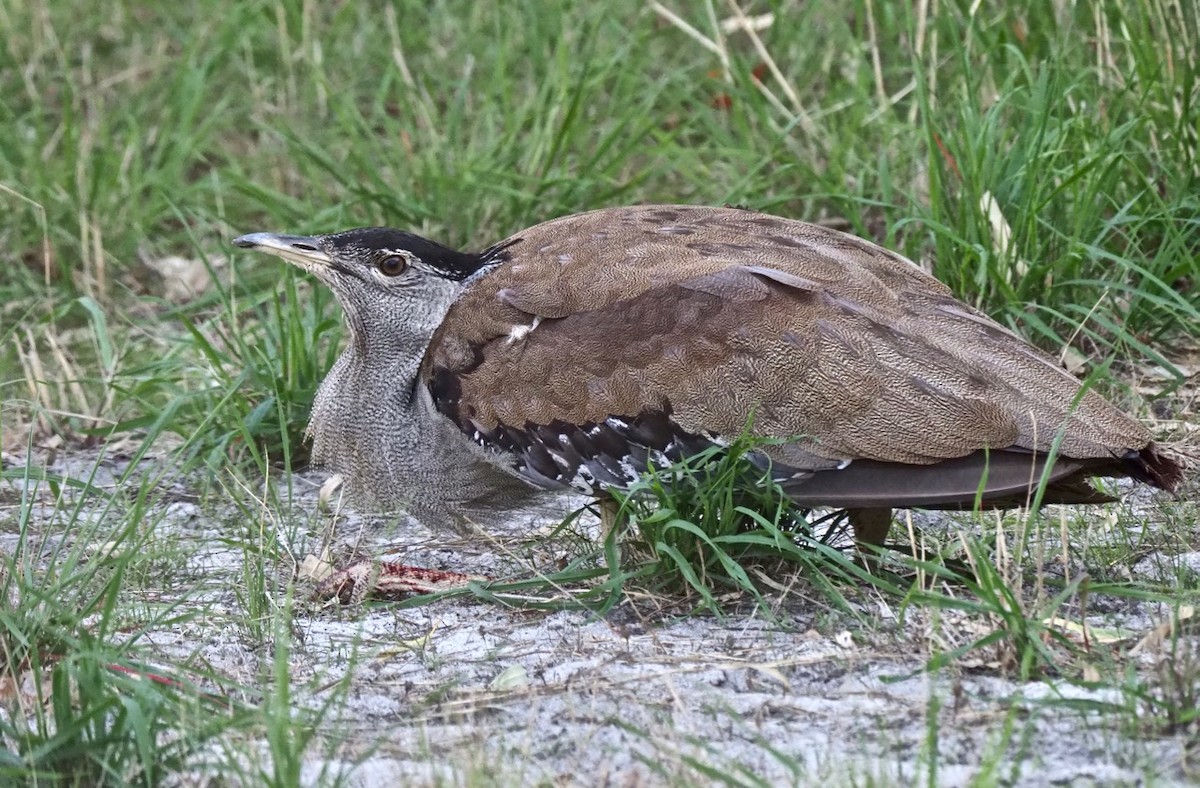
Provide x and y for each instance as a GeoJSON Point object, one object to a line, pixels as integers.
{"type": "Point", "coordinates": [461, 691]}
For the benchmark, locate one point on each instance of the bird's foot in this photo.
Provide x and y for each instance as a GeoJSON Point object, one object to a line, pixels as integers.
{"type": "Point", "coordinates": [387, 580]}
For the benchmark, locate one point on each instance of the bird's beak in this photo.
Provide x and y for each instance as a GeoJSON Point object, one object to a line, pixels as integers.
{"type": "Point", "coordinates": [302, 250]}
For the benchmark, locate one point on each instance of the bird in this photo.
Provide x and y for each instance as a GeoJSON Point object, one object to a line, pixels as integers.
{"type": "Point", "coordinates": [585, 351]}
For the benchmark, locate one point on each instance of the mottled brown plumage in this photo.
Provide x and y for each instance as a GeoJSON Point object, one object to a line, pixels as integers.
{"type": "Point", "coordinates": [717, 315]}
{"type": "Point", "coordinates": [581, 351]}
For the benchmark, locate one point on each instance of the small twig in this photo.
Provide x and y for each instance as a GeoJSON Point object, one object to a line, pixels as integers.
{"type": "Point", "coordinates": [801, 116]}
{"type": "Point", "coordinates": [692, 33]}
{"type": "Point", "coordinates": [876, 61]}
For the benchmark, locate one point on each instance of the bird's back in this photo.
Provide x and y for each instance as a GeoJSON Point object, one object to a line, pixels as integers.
{"type": "Point", "coordinates": [720, 315]}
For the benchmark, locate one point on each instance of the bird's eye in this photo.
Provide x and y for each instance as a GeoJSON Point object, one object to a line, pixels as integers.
{"type": "Point", "coordinates": [392, 265]}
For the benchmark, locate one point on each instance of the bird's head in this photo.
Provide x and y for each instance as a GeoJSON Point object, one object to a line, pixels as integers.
{"type": "Point", "coordinates": [386, 280]}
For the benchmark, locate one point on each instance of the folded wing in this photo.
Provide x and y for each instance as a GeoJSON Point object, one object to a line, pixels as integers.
{"type": "Point", "coordinates": [612, 340]}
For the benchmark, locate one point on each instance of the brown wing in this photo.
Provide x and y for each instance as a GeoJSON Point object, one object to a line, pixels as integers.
{"type": "Point", "coordinates": [623, 333]}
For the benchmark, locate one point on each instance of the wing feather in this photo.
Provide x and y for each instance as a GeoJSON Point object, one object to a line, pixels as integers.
{"type": "Point", "coordinates": [707, 318]}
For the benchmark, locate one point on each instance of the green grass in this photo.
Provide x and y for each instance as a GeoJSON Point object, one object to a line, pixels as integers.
{"type": "Point", "coordinates": [79, 707]}
{"type": "Point", "coordinates": [713, 523]}
{"type": "Point", "coordinates": [1040, 158]}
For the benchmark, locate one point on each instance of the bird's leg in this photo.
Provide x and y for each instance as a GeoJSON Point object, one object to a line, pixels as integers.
{"type": "Point", "coordinates": [609, 509]}
{"type": "Point", "coordinates": [871, 528]}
